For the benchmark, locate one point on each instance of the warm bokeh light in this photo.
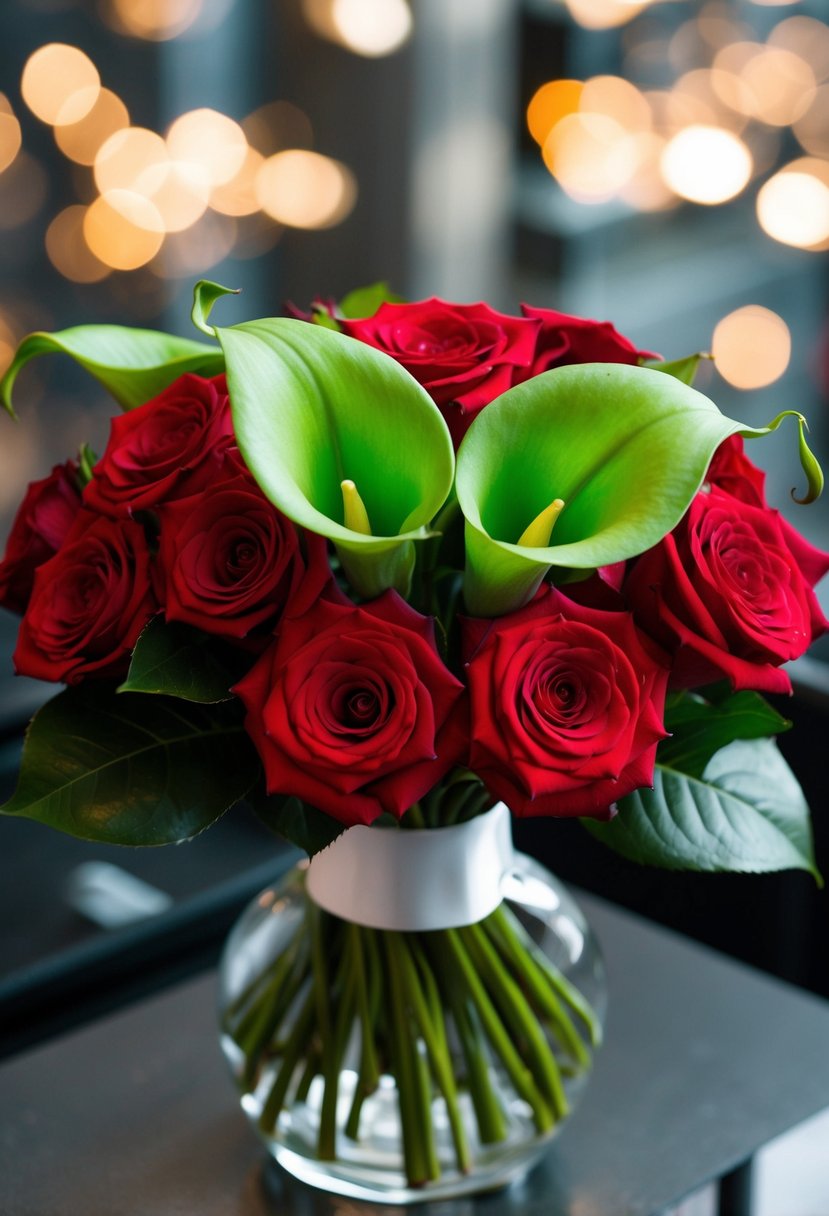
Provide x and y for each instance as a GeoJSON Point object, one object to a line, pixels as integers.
{"type": "Point", "coordinates": [617, 99]}
{"type": "Point", "coordinates": [201, 247]}
{"type": "Point", "coordinates": [23, 189]}
{"type": "Point", "coordinates": [368, 27]}
{"type": "Point", "coordinates": [717, 27]}
{"type": "Point", "coordinates": [238, 196]}
{"type": "Point", "coordinates": [605, 14]}
{"type": "Point", "coordinates": [751, 347]}
{"type": "Point", "coordinates": [305, 190]}
{"type": "Point", "coordinates": [781, 86]}
{"type": "Point", "coordinates": [706, 164]}
{"type": "Point", "coordinates": [806, 37]}
{"type": "Point", "coordinates": [81, 141]}
{"type": "Point", "coordinates": [699, 94]}
{"type": "Point", "coordinates": [591, 156]}
{"type": "Point", "coordinates": [277, 126]}
{"type": "Point", "coordinates": [129, 159]}
{"type": "Point", "coordinates": [60, 84]}
{"type": "Point", "coordinates": [793, 205]}
{"type": "Point", "coordinates": [647, 189]}
{"type": "Point", "coordinates": [179, 192]}
{"type": "Point", "coordinates": [10, 137]}
{"type": "Point", "coordinates": [123, 230]}
{"type": "Point", "coordinates": [68, 251]}
{"type": "Point", "coordinates": [211, 141]}
{"type": "Point", "coordinates": [549, 104]}
{"type": "Point", "coordinates": [812, 130]}
{"type": "Point", "coordinates": [156, 20]}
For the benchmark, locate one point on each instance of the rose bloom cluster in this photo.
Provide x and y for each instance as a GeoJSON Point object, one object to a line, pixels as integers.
{"type": "Point", "coordinates": [558, 707]}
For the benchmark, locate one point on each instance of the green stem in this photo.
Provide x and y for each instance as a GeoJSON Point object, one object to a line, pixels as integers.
{"type": "Point", "coordinates": [560, 985]}
{"type": "Point", "coordinates": [434, 1037]}
{"type": "Point", "coordinates": [290, 972]}
{"type": "Point", "coordinates": [369, 1072]}
{"type": "Point", "coordinates": [415, 1122]}
{"type": "Point", "coordinates": [295, 1047]}
{"type": "Point", "coordinates": [518, 1071]}
{"type": "Point", "coordinates": [541, 994]}
{"type": "Point", "coordinates": [326, 1144]}
{"type": "Point", "coordinates": [518, 1014]}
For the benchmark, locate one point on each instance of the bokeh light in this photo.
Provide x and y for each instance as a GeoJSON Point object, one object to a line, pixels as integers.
{"type": "Point", "coordinates": [123, 230]}
{"type": "Point", "coordinates": [155, 20]}
{"type": "Point", "coordinates": [706, 164]}
{"type": "Point", "coordinates": [10, 137]}
{"type": "Point", "coordinates": [367, 27]}
{"type": "Point", "coordinates": [807, 38]}
{"type": "Point", "coordinates": [60, 84]}
{"type": "Point", "coordinates": [305, 190]}
{"type": "Point", "coordinates": [549, 104]}
{"type": "Point", "coordinates": [591, 156]}
{"type": "Point", "coordinates": [81, 141]}
{"type": "Point", "coordinates": [201, 247]}
{"type": "Point", "coordinates": [812, 130]}
{"type": "Point", "coordinates": [209, 140]}
{"type": "Point", "coordinates": [129, 159]}
{"type": "Point", "coordinates": [617, 99]}
{"type": "Point", "coordinates": [68, 251]}
{"type": "Point", "coordinates": [23, 189]}
{"type": "Point", "coordinates": [277, 126]}
{"type": "Point", "coordinates": [793, 205]}
{"type": "Point", "coordinates": [605, 14]}
{"type": "Point", "coordinates": [238, 196]}
{"type": "Point", "coordinates": [751, 347]}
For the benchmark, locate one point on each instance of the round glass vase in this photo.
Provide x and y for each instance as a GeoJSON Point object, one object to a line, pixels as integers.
{"type": "Point", "coordinates": [405, 1066]}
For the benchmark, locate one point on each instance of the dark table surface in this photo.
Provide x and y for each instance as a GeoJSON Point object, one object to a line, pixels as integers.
{"type": "Point", "coordinates": [705, 1061]}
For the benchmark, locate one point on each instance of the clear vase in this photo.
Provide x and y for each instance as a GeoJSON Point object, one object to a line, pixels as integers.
{"type": "Point", "coordinates": [411, 1066]}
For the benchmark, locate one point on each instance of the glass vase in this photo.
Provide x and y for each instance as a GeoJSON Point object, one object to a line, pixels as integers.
{"type": "Point", "coordinates": [406, 1066]}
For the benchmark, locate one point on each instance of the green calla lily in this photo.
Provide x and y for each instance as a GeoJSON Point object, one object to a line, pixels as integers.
{"type": "Point", "coordinates": [624, 448]}
{"type": "Point", "coordinates": [133, 364]}
{"type": "Point", "coordinates": [341, 439]}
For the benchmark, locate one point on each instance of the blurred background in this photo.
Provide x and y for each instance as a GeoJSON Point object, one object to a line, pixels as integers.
{"type": "Point", "coordinates": [657, 163]}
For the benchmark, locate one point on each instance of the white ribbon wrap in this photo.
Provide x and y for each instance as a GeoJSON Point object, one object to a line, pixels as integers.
{"type": "Point", "coordinates": [437, 878]}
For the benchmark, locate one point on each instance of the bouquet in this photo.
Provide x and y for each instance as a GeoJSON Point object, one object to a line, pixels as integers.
{"type": "Point", "coordinates": [388, 563]}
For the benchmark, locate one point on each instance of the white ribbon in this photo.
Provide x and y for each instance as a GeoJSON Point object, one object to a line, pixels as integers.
{"type": "Point", "coordinates": [437, 878]}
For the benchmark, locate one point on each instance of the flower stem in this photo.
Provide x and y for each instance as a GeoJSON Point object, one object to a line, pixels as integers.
{"type": "Point", "coordinates": [415, 1115]}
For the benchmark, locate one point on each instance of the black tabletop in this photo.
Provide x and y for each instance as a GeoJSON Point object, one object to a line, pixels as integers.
{"type": "Point", "coordinates": [705, 1061]}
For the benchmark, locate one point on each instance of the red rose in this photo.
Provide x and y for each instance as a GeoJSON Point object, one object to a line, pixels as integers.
{"type": "Point", "coordinates": [353, 710]}
{"type": "Point", "coordinates": [89, 603]}
{"type": "Point", "coordinates": [732, 471]}
{"type": "Point", "coordinates": [229, 561]}
{"type": "Point", "coordinates": [566, 706]}
{"type": "Point", "coordinates": [154, 449]}
{"type": "Point", "coordinates": [464, 355]}
{"type": "Point", "coordinates": [729, 593]}
{"type": "Point", "coordinates": [563, 339]}
{"type": "Point", "coordinates": [40, 526]}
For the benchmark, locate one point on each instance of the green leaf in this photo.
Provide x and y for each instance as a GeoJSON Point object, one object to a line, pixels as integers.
{"type": "Point", "coordinates": [683, 369]}
{"type": "Point", "coordinates": [699, 729]}
{"type": "Point", "coordinates": [133, 364]}
{"type": "Point", "coordinates": [179, 661]}
{"type": "Point", "coordinates": [304, 826]}
{"type": "Point", "coordinates": [312, 408]}
{"type": "Point", "coordinates": [746, 814]}
{"type": "Point", "coordinates": [205, 295]}
{"type": "Point", "coordinates": [364, 301]}
{"type": "Point", "coordinates": [626, 448]}
{"type": "Point", "coordinates": [131, 770]}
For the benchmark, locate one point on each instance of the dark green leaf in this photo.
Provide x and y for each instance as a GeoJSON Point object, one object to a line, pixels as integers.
{"type": "Point", "coordinates": [683, 369]}
{"type": "Point", "coordinates": [131, 770]}
{"type": "Point", "coordinates": [699, 729]}
{"type": "Point", "coordinates": [306, 827]}
{"type": "Point", "coordinates": [133, 364]}
{"type": "Point", "coordinates": [87, 460]}
{"type": "Point", "coordinates": [746, 814]}
{"type": "Point", "coordinates": [364, 301]}
{"type": "Point", "coordinates": [180, 661]}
